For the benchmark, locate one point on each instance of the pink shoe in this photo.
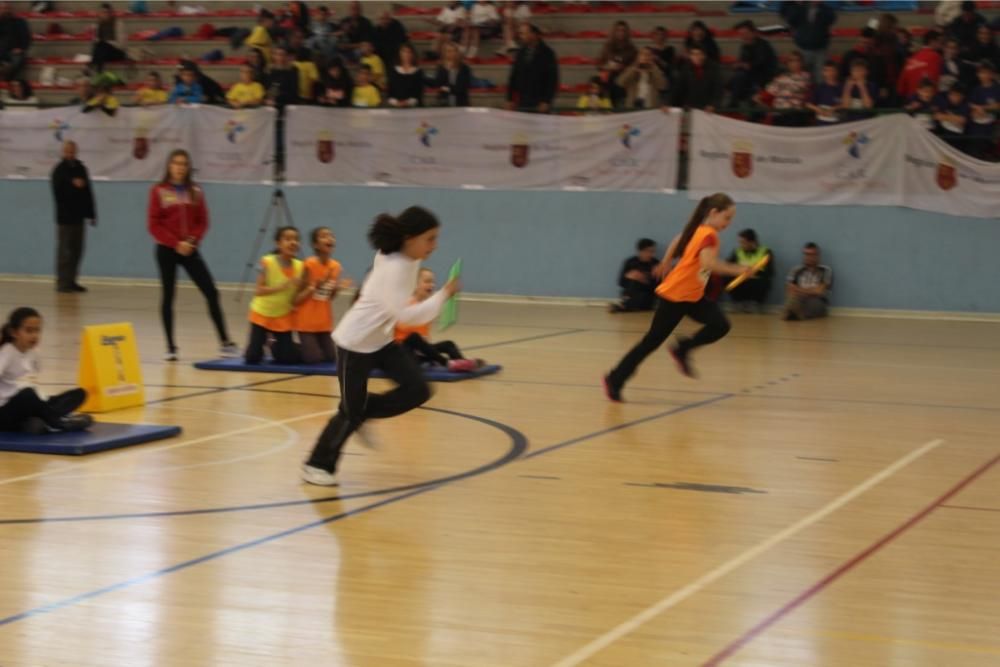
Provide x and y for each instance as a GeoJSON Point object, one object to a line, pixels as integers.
{"type": "Point", "coordinates": [461, 365]}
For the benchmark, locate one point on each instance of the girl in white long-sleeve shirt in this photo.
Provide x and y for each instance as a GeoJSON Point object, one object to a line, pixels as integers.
{"type": "Point", "coordinates": [364, 335]}
{"type": "Point", "coordinates": [23, 405]}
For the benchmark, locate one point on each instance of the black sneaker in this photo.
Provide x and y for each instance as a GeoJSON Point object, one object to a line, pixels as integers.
{"type": "Point", "coordinates": [613, 393]}
{"type": "Point", "coordinates": [683, 362]}
{"type": "Point", "coordinates": [77, 287]}
{"type": "Point", "coordinates": [74, 422]}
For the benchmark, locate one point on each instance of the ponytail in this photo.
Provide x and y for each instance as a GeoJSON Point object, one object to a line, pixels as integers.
{"type": "Point", "coordinates": [14, 322]}
{"type": "Point", "coordinates": [388, 233]}
{"type": "Point", "coordinates": [718, 202]}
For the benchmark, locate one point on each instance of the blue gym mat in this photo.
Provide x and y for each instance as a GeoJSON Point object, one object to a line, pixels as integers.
{"type": "Point", "coordinates": [432, 375]}
{"type": "Point", "coordinates": [97, 438]}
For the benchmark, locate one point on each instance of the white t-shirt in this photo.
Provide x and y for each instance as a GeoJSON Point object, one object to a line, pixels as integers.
{"type": "Point", "coordinates": [384, 302]}
{"type": "Point", "coordinates": [450, 17]}
{"type": "Point", "coordinates": [18, 370]}
{"type": "Point", "coordinates": [483, 14]}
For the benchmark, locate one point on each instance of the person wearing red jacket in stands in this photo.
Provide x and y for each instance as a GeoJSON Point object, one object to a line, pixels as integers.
{"type": "Point", "coordinates": [924, 64]}
{"type": "Point", "coordinates": [178, 220]}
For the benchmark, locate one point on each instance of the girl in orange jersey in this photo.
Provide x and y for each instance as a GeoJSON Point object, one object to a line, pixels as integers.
{"type": "Point", "coordinates": [691, 258]}
{"type": "Point", "coordinates": [313, 305]}
{"type": "Point", "coordinates": [416, 338]}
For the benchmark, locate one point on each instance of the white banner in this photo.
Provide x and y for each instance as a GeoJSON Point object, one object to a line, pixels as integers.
{"type": "Point", "coordinates": [852, 163]}
{"type": "Point", "coordinates": [482, 148]}
{"type": "Point", "coordinates": [133, 145]}
{"type": "Point", "coordinates": [937, 177]}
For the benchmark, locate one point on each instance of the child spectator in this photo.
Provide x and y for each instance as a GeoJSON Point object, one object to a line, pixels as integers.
{"type": "Point", "coordinates": [260, 38]}
{"type": "Point", "coordinates": [984, 104]}
{"type": "Point", "coordinates": [951, 111]}
{"type": "Point", "coordinates": [984, 48]}
{"type": "Point", "coordinates": [271, 314]}
{"type": "Point", "coordinates": [375, 64]}
{"type": "Point", "coordinates": [789, 92]}
{"type": "Point", "coordinates": [365, 94]}
{"type": "Point", "coordinates": [921, 104]}
{"type": "Point", "coordinates": [314, 302]}
{"type": "Point", "coordinates": [247, 92]}
{"type": "Point", "coordinates": [103, 99]}
{"type": "Point", "coordinates": [19, 95]}
{"type": "Point", "coordinates": [699, 35]}
{"type": "Point", "coordinates": [643, 82]}
{"type": "Point", "coordinates": [337, 87]}
{"type": "Point", "coordinates": [596, 98]}
{"type": "Point", "coordinates": [636, 279]}
{"type": "Point", "coordinates": [152, 91]}
{"type": "Point", "coordinates": [924, 64]}
{"type": "Point", "coordinates": [953, 68]}
{"type": "Point", "coordinates": [308, 75]}
{"type": "Point", "coordinates": [24, 407]}
{"type": "Point", "coordinates": [827, 96]}
{"type": "Point", "coordinates": [187, 90]}
{"type": "Point", "coordinates": [860, 93]}
{"type": "Point", "coordinates": [416, 338]}
{"type": "Point", "coordinates": [283, 81]}
{"type": "Point", "coordinates": [699, 82]}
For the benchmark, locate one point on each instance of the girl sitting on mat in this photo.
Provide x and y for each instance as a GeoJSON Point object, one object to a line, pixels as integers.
{"type": "Point", "coordinates": [23, 406]}
{"type": "Point", "coordinates": [314, 303]}
{"type": "Point", "coordinates": [415, 338]}
{"type": "Point", "coordinates": [271, 311]}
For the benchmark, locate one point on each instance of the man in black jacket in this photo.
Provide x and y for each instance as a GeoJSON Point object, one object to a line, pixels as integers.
{"type": "Point", "coordinates": [534, 76]}
{"type": "Point", "coordinates": [810, 23]}
{"type": "Point", "coordinates": [758, 64]}
{"type": "Point", "coordinates": [74, 207]}
{"type": "Point", "coordinates": [15, 38]}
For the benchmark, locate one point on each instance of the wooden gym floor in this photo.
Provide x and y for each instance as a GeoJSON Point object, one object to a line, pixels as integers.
{"type": "Point", "coordinates": [825, 494]}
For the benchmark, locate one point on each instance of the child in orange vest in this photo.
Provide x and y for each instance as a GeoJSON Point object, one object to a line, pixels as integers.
{"type": "Point", "coordinates": [314, 303]}
{"type": "Point", "coordinates": [271, 311]}
{"type": "Point", "coordinates": [416, 338]}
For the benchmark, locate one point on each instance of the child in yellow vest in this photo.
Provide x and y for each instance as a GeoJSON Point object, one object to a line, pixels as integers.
{"type": "Point", "coordinates": [271, 311]}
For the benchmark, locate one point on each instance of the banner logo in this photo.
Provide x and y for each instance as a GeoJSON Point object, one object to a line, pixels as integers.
{"type": "Point", "coordinates": [625, 134]}
{"type": "Point", "coordinates": [425, 131]}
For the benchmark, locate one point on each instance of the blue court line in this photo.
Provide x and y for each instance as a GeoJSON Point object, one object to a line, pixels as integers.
{"type": "Point", "coordinates": [67, 602]}
{"type": "Point", "coordinates": [519, 444]}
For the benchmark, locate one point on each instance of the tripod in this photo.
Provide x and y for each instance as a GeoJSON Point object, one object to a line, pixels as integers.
{"type": "Point", "coordinates": [279, 215]}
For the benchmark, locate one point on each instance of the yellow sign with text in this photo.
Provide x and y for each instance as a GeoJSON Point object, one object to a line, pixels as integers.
{"type": "Point", "coordinates": [109, 368]}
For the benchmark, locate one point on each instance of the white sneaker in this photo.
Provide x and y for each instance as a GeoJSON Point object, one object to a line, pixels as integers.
{"type": "Point", "coordinates": [229, 350]}
{"type": "Point", "coordinates": [318, 476]}
{"type": "Point", "coordinates": [171, 356]}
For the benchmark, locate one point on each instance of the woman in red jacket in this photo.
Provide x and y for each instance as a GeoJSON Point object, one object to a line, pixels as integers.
{"type": "Point", "coordinates": [178, 219]}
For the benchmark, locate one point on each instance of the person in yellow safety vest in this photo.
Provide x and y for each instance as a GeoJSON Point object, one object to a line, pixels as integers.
{"type": "Point", "coordinates": [271, 311]}
{"type": "Point", "coordinates": [754, 290]}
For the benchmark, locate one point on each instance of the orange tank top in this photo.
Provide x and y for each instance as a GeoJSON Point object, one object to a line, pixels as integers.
{"type": "Point", "coordinates": [402, 333]}
{"type": "Point", "coordinates": [315, 314]}
{"type": "Point", "coordinates": [687, 280]}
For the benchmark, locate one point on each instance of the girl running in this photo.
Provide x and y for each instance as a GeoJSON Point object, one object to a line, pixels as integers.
{"type": "Point", "coordinates": [364, 336]}
{"type": "Point", "coordinates": [682, 292]}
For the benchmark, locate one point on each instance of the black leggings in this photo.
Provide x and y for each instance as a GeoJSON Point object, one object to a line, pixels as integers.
{"type": "Point", "coordinates": [357, 405]}
{"type": "Point", "coordinates": [436, 353]}
{"type": "Point", "coordinates": [316, 347]}
{"type": "Point", "coordinates": [284, 350]}
{"type": "Point", "coordinates": [27, 404]}
{"type": "Point", "coordinates": [167, 260]}
{"type": "Point", "coordinates": [668, 315]}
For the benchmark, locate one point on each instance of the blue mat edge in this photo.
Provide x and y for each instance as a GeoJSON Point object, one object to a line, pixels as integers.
{"type": "Point", "coordinates": [160, 432]}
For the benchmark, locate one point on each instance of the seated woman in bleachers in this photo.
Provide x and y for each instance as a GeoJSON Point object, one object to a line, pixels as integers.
{"type": "Point", "coordinates": [336, 87]}
{"type": "Point", "coordinates": [406, 81]}
{"type": "Point", "coordinates": [151, 92]}
{"type": "Point", "coordinates": [618, 53]}
{"type": "Point", "coordinates": [452, 78]}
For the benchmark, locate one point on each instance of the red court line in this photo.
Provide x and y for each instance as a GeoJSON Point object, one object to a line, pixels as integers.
{"type": "Point", "coordinates": [970, 507]}
{"type": "Point", "coordinates": [810, 592]}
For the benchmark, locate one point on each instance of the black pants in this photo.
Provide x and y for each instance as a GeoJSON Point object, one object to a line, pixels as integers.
{"type": "Point", "coordinates": [167, 259]}
{"type": "Point", "coordinates": [357, 405]}
{"type": "Point", "coordinates": [638, 295]}
{"type": "Point", "coordinates": [104, 52]}
{"type": "Point", "coordinates": [317, 347]}
{"type": "Point", "coordinates": [755, 290]}
{"type": "Point", "coordinates": [284, 350]}
{"type": "Point", "coordinates": [668, 315]}
{"type": "Point", "coordinates": [436, 353]}
{"type": "Point", "coordinates": [69, 252]}
{"type": "Point", "coordinates": [27, 404]}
